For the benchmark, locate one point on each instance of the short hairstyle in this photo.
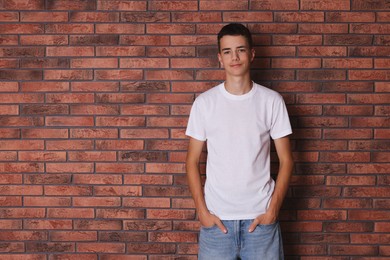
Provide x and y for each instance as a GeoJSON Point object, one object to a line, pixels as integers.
{"type": "Point", "coordinates": [235, 29]}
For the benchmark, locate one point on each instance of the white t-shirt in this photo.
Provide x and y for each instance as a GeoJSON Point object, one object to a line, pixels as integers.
{"type": "Point", "coordinates": [238, 130]}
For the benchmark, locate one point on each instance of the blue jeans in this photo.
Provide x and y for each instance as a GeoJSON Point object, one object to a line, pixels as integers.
{"type": "Point", "coordinates": [265, 243]}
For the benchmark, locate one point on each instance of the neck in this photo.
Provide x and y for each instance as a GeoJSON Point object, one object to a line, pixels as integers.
{"type": "Point", "coordinates": [239, 85]}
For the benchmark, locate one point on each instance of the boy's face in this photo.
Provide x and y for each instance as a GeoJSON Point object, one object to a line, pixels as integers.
{"type": "Point", "coordinates": [235, 55]}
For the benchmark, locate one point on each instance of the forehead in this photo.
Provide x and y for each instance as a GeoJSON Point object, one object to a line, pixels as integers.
{"type": "Point", "coordinates": [233, 41]}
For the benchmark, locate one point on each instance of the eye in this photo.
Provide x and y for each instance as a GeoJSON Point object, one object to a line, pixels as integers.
{"type": "Point", "coordinates": [226, 52]}
{"type": "Point", "coordinates": [241, 50]}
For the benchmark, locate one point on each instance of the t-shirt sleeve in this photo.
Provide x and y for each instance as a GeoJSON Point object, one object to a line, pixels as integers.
{"type": "Point", "coordinates": [280, 125]}
{"type": "Point", "coordinates": [195, 126]}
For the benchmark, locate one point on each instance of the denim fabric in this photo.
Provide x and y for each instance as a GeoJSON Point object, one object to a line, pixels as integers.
{"type": "Point", "coordinates": [265, 243]}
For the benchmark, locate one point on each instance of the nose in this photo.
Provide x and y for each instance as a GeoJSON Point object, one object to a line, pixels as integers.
{"type": "Point", "coordinates": [236, 56]}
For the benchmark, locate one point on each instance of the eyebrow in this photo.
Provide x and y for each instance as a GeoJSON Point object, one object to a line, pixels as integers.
{"type": "Point", "coordinates": [239, 47]}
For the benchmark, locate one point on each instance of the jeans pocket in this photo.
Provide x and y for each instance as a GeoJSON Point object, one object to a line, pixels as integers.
{"type": "Point", "coordinates": [208, 228]}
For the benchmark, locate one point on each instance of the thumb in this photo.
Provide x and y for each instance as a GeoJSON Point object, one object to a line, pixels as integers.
{"type": "Point", "coordinates": [221, 226]}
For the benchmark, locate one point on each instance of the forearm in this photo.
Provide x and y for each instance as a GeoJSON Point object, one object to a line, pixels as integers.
{"type": "Point", "coordinates": [195, 185]}
{"type": "Point", "coordinates": [281, 187]}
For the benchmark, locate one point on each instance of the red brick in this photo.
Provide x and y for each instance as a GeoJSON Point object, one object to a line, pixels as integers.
{"type": "Point", "coordinates": [144, 110]}
{"type": "Point", "coordinates": [305, 249]}
{"type": "Point", "coordinates": [383, 17]}
{"type": "Point", "coordinates": [370, 122]}
{"type": "Point", "coordinates": [68, 190]}
{"type": "Point", "coordinates": [97, 179]}
{"type": "Point", "coordinates": [120, 28]}
{"type": "Point", "coordinates": [346, 39]}
{"type": "Point", "coordinates": [143, 156]}
{"type": "Point", "coordinates": [376, 168]}
{"type": "Point", "coordinates": [149, 40]}
{"type": "Point", "coordinates": [170, 52]}
{"type": "Point", "coordinates": [285, 28]}
{"type": "Point", "coordinates": [9, 110]}
{"type": "Point", "coordinates": [69, 121]}
{"type": "Point", "coordinates": [48, 179]}
{"type": "Point", "coordinates": [22, 213]}
{"type": "Point", "coordinates": [8, 178]}
{"type": "Point", "coordinates": [170, 28]}
{"type": "Point", "coordinates": [120, 121]}
{"type": "Point", "coordinates": [101, 247]}
{"type": "Point", "coordinates": [227, 5]}
{"type": "Point", "coordinates": [118, 74]}
{"type": "Point", "coordinates": [147, 225]}
{"type": "Point", "coordinates": [123, 236]}
{"type": "Point", "coordinates": [381, 133]}
{"type": "Point", "coordinates": [68, 75]}
{"type": "Point", "coordinates": [73, 236]}
{"type": "Point", "coordinates": [71, 5]}
{"type": "Point", "coordinates": [94, 39]}
{"type": "Point", "coordinates": [70, 28]}
{"type": "Point", "coordinates": [42, 156]}
{"type": "Point", "coordinates": [9, 17]}
{"type": "Point", "coordinates": [368, 145]}
{"type": "Point", "coordinates": [118, 190]}
{"type": "Point", "coordinates": [380, 156]}
{"type": "Point", "coordinates": [172, 237]}
{"type": "Point", "coordinates": [94, 16]}
{"type": "Point", "coordinates": [327, 28]}
{"type": "Point", "coordinates": [247, 17]}
{"type": "Point", "coordinates": [43, 40]}
{"type": "Point", "coordinates": [145, 17]}
{"type": "Point", "coordinates": [91, 156]}
{"type": "Point", "coordinates": [274, 5]}
{"type": "Point", "coordinates": [143, 133]}
{"type": "Point", "coordinates": [97, 225]}
{"type": "Point", "coordinates": [345, 157]}
{"type": "Point", "coordinates": [119, 144]}
{"type": "Point", "coordinates": [347, 63]}
{"type": "Point", "coordinates": [151, 248]}
{"type": "Point", "coordinates": [95, 86]}
{"type": "Point", "coordinates": [322, 51]}
{"type": "Point", "coordinates": [145, 86]}
{"type": "Point", "coordinates": [325, 75]}
{"type": "Point", "coordinates": [10, 224]}
{"type": "Point", "coordinates": [7, 156]}
{"type": "Point", "coordinates": [369, 5]}
{"type": "Point", "coordinates": [43, 17]}
{"type": "Point", "coordinates": [133, 63]}
{"type": "Point", "coordinates": [357, 17]}
{"type": "Point", "coordinates": [296, 63]}
{"type": "Point", "coordinates": [46, 201]}
{"type": "Point", "coordinates": [94, 110]}
{"type": "Point", "coordinates": [9, 40]}
{"type": "Point", "coordinates": [368, 98]}
{"type": "Point", "coordinates": [121, 5]}
{"type": "Point", "coordinates": [186, 17]}
{"type": "Point", "coordinates": [348, 87]}
{"type": "Point", "coordinates": [22, 29]}
{"type": "Point", "coordinates": [148, 179]}
{"type": "Point", "coordinates": [21, 75]}
{"type": "Point", "coordinates": [369, 28]}
{"type": "Point", "coordinates": [96, 202]}
{"type": "Point", "coordinates": [348, 227]}
{"type": "Point", "coordinates": [347, 133]}
{"type": "Point", "coordinates": [146, 202]}
{"type": "Point", "coordinates": [297, 39]}
{"type": "Point", "coordinates": [70, 213]}
{"type": "Point", "coordinates": [325, 5]}
{"type": "Point", "coordinates": [169, 74]}
{"type": "Point", "coordinates": [9, 86]}
{"type": "Point", "coordinates": [119, 168]}
{"type": "Point", "coordinates": [94, 63]}
{"type": "Point", "coordinates": [353, 250]}
{"type": "Point", "coordinates": [46, 133]}
{"type": "Point", "coordinates": [299, 17]}
{"type": "Point", "coordinates": [123, 257]}
{"type": "Point", "coordinates": [346, 203]}
{"type": "Point", "coordinates": [173, 5]}
{"type": "Point", "coordinates": [359, 192]}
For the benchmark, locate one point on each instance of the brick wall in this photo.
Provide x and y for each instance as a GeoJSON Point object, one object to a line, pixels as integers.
{"type": "Point", "coordinates": [94, 100]}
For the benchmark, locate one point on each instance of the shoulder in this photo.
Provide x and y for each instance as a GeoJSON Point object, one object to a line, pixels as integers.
{"type": "Point", "coordinates": [209, 95]}
{"type": "Point", "coordinates": [267, 93]}
{"type": "Point", "coordinates": [264, 91]}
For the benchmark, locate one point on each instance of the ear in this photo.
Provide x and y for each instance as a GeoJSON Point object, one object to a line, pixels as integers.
{"type": "Point", "coordinates": [253, 54]}
{"type": "Point", "coordinates": [220, 59]}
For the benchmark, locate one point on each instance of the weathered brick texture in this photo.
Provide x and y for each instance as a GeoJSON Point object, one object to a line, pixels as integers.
{"type": "Point", "coordinates": [94, 100]}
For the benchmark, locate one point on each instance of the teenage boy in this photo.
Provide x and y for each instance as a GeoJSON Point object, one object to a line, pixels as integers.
{"type": "Point", "coordinates": [239, 208]}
